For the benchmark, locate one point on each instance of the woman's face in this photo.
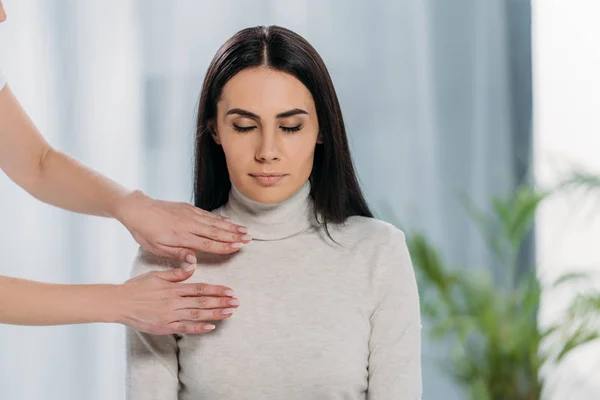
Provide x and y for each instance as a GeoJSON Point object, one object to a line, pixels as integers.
{"type": "Point", "coordinates": [268, 128]}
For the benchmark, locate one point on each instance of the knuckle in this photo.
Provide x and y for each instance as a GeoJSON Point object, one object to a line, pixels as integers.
{"type": "Point", "coordinates": [225, 248]}
{"type": "Point", "coordinates": [199, 288]}
{"type": "Point", "coordinates": [181, 327]}
{"type": "Point", "coordinates": [214, 232]}
{"type": "Point", "coordinates": [207, 244]}
{"type": "Point", "coordinates": [195, 313]}
{"type": "Point", "coordinates": [203, 302]}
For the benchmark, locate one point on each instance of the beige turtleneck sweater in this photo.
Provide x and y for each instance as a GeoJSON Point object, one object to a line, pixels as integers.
{"type": "Point", "coordinates": [317, 320]}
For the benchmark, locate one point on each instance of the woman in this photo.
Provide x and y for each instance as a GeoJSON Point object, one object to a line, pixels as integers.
{"type": "Point", "coordinates": [330, 300]}
{"type": "Point", "coordinates": [150, 303]}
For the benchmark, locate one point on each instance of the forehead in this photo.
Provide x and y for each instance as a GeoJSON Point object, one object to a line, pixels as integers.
{"type": "Point", "coordinates": [264, 88]}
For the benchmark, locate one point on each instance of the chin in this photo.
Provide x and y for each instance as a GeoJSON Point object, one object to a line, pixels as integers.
{"type": "Point", "coordinates": [266, 194]}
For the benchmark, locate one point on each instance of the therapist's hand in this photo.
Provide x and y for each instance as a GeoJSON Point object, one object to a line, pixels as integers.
{"type": "Point", "coordinates": [175, 230]}
{"type": "Point", "coordinates": [155, 303]}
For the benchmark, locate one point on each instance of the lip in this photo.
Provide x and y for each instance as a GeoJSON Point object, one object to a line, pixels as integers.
{"type": "Point", "coordinates": [268, 179]}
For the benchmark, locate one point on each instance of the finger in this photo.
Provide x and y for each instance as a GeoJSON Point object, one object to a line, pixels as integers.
{"type": "Point", "coordinates": [176, 274]}
{"type": "Point", "coordinates": [205, 245]}
{"type": "Point", "coordinates": [190, 258]}
{"type": "Point", "coordinates": [200, 244]}
{"type": "Point", "coordinates": [178, 253]}
{"type": "Point", "coordinates": [199, 314]}
{"type": "Point", "coordinates": [202, 289]}
{"type": "Point", "coordinates": [207, 302]}
{"type": "Point", "coordinates": [190, 327]}
{"type": "Point", "coordinates": [162, 250]}
{"type": "Point", "coordinates": [217, 231]}
{"type": "Point", "coordinates": [220, 222]}
{"type": "Point", "coordinates": [181, 254]}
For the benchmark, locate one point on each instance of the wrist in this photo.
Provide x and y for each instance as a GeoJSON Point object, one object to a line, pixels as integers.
{"type": "Point", "coordinates": [112, 304]}
{"type": "Point", "coordinates": [124, 203]}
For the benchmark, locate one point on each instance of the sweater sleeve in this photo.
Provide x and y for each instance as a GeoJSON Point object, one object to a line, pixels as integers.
{"type": "Point", "coordinates": [152, 360]}
{"type": "Point", "coordinates": [395, 342]}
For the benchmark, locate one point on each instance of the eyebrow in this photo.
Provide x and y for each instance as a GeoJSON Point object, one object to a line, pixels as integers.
{"type": "Point", "coordinates": [246, 113]}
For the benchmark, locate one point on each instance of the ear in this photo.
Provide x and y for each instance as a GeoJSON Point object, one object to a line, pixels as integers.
{"type": "Point", "coordinates": [212, 128]}
{"type": "Point", "coordinates": [320, 138]}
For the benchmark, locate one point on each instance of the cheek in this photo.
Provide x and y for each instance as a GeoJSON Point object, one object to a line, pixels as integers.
{"type": "Point", "coordinates": [302, 153]}
{"type": "Point", "coordinates": [237, 154]}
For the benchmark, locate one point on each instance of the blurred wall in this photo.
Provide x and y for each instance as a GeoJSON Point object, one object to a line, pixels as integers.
{"type": "Point", "coordinates": [428, 90]}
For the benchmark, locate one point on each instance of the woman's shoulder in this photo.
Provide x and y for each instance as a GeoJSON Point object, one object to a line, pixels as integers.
{"type": "Point", "coordinates": [384, 246]}
{"type": "Point", "coordinates": [369, 230]}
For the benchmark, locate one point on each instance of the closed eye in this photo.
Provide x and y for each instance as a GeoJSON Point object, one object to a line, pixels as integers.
{"type": "Point", "coordinates": [243, 129]}
{"type": "Point", "coordinates": [291, 129]}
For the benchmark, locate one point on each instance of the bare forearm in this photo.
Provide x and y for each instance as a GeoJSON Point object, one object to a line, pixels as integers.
{"type": "Point", "coordinates": [47, 174]}
{"type": "Point", "coordinates": [24, 302]}
{"type": "Point", "coordinates": [169, 229]}
{"type": "Point", "coordinates": [88, 191]}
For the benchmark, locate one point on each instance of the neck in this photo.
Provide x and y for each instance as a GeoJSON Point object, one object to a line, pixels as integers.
{"type": "Point", "coordinates": [271, 221]}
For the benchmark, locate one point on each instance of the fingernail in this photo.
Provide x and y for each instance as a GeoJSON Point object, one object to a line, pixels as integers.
{"type": "Point", "coordinates": [237, 245]}
{"type": "Point", "coordinates": [234, 302]}
{"type": "Point", "coordinates": [190, 259]}
{"type": "Point", "coordinates": [246, 238]}
{"type": "Point", "coordinates": [229, 293]}
{"type": "Point", "coordinates": [189, 268]}
{"type": "Point", "coordinates": [242, 229]}
{"type": "Point", "coordinates": [209, 327]}
{"type": "Point", "coordinates": [227, 311]}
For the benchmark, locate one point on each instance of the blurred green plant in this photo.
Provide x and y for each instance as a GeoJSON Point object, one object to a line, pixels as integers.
{"type": "Point", "coordinates": [497, 345]}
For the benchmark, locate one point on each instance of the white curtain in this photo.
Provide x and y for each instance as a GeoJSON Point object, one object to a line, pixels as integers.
{"type": "Point", "coordinates": [76, 67]}
{"type": "Point", "coordinates": [425, 90]}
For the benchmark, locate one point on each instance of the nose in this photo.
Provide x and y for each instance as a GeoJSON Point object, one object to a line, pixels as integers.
{"type": "Point", "coordinates": [268, 148]}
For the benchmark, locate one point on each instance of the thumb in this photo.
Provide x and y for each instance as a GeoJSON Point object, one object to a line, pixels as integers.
{"type": "Point", "coordinates": [178, 274]}
{"type": "Point", "coordinates": [183, 255]}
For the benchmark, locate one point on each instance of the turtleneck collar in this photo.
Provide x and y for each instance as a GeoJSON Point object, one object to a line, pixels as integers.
{"type": "Point", "coordinates": [271, 221]}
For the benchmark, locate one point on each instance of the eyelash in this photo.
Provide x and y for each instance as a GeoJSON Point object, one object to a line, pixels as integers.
{"type": "Point", "coordinates": [244, 129]}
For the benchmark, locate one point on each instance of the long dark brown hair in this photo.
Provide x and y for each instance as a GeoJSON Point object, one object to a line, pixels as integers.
{"type": "Point", "coordinates": [334, 186]}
